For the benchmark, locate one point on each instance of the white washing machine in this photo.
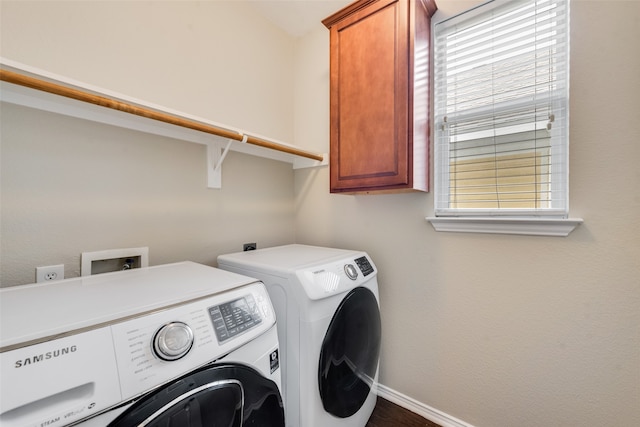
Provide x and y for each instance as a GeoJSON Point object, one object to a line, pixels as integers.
{"type": "Point", "coordinates": [326, 302]}
{"type": "Point", "coordinates": [173, 345]}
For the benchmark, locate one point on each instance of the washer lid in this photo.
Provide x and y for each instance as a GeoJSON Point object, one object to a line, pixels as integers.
{"type": "Point", "coordinates": [31, 312]}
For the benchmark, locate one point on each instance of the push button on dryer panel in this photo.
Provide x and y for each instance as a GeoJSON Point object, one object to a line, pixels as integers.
{"type": "Point", "coordinates": [351, 271]}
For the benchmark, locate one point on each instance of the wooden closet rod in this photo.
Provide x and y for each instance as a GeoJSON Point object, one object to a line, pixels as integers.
{"type": "Point", "coordinates": [34, 83]}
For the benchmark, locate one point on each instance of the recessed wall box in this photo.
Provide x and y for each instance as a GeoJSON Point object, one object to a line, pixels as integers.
{"type": "Point", "coordinates": [113, 260]}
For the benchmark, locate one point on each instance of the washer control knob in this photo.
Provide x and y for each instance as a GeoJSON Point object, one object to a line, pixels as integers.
{"type": "Point", "coordinates": [351, 271]}
{"type": "Point", "coordinates": [173, 341]}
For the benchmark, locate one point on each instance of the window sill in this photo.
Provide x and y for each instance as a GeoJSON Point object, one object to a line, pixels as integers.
{"type": "Point", "coordinates": [495, 225]}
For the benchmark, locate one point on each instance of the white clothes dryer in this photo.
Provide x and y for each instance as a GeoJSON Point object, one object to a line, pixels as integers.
{"type": "Point", "coordinates": [326, 302]}
{"type": "Point", "coordinates": [173, 345]}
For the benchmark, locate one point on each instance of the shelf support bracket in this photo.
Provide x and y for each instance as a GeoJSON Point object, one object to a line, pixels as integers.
{"type": "Point", "coordinates": [215, 158]}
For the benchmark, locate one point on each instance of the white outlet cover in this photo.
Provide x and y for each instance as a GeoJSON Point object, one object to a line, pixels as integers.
{"type": "Point", "coordinates": [49, 273]}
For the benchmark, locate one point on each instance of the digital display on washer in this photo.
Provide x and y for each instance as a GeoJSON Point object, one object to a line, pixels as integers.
{"type": "Point", "coordinates": [234, 317]}
{"type": "Point", "coordinates": [364, 265]}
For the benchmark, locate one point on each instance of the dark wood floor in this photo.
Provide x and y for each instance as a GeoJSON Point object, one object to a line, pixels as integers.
{"type": "Point", "coordinates": [387, 414]}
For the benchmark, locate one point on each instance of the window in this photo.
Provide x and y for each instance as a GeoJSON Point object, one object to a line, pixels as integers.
{"type": "Point", "coordinates": [501, 111]}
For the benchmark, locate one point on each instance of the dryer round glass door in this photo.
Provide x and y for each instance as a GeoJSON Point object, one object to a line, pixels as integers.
{"type": "Point", "coordinates": [230, 395]}
{"type": "Point", "coordinates": [349, 354]}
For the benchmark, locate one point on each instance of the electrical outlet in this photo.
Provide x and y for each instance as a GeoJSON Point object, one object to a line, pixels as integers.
{"type": "Point", "coordinates": [249, 247]}
{"type": "Point", "coordinates": [49, 273]}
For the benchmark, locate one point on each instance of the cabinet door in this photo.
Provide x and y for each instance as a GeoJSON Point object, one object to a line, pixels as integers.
{"type": "Point", "coordinates": [372, 96]}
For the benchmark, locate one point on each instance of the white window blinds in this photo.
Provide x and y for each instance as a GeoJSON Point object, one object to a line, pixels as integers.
{"type": "Point", "coordinates": [501, 110]}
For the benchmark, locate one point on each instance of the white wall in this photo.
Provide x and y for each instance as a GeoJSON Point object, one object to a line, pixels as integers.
{"type": "Point", "coordinates": [503, 331]}
{"type": "Point", "coordinates": [69, 186]}
{"type": "Point", "coordinates": [214, 59]}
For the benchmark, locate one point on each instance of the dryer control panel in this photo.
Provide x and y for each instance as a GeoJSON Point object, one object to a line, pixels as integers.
{"type": "Point", "coordinates": [364, 265]}
{"type": "Point", "coordinates": [336, 277]}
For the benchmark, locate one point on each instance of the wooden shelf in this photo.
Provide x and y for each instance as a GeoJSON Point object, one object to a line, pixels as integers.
{"type": "Point", "coordinates": [27, 86]}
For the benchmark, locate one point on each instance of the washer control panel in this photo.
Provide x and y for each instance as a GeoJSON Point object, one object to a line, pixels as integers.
{"type": "Point", "coordinates": [234, 317]}
{"type": "Point", "coordinates": [163, 345]}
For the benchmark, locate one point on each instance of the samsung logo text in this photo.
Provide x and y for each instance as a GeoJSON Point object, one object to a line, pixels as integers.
{"type": "Point", "coordinates": [45, 356]}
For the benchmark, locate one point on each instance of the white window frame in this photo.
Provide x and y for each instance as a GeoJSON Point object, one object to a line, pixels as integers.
{"type": "Point", "coordinates": [550, 221]}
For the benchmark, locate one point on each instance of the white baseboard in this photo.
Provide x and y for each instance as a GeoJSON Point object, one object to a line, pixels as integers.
{"type": "Point", "coordinates": [426, 411]}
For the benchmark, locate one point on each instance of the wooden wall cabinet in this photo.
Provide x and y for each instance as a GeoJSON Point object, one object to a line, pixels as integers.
{"type": "Point", "coordinates": [380, 96]}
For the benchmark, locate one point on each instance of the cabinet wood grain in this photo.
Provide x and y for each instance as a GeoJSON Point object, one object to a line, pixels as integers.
{"type": "Point", "coordinates": [380, 96]}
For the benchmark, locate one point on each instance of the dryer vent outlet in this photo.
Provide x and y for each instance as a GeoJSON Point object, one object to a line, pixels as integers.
{"type": "Point", "coordinates": [113, 260]}
{"type": "Point", "coordinates": [249, 247]}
